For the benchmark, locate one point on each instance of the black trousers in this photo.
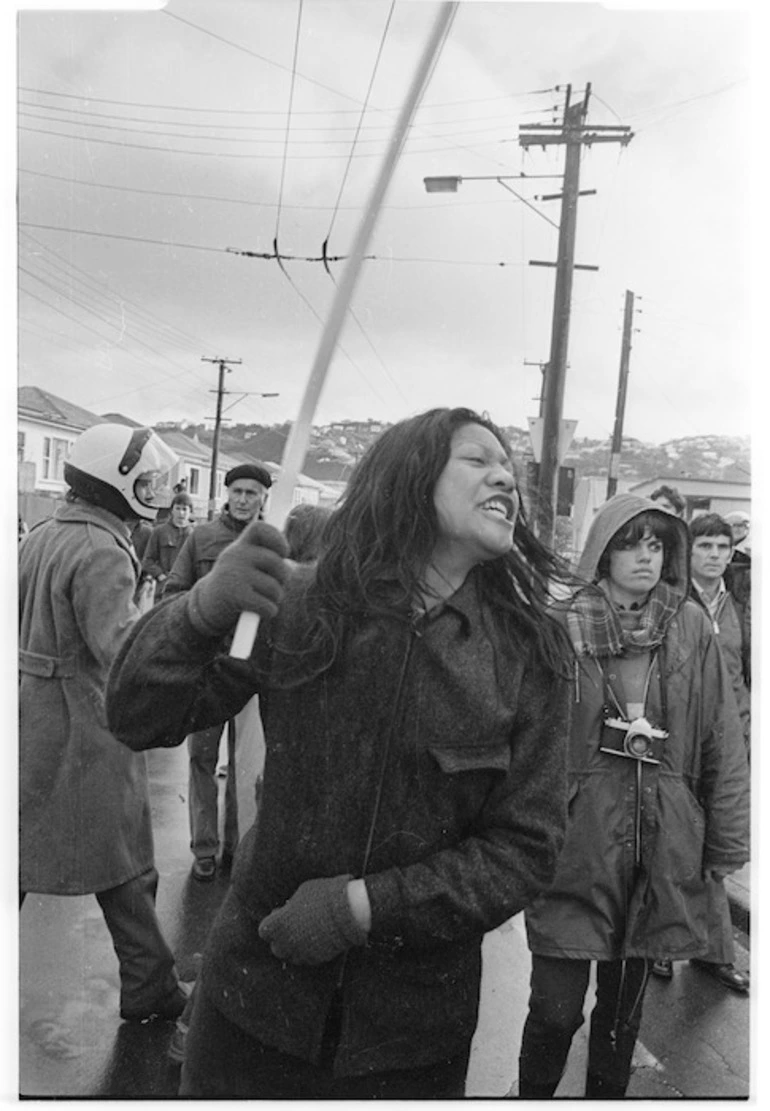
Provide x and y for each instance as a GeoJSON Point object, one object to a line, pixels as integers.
{"type": "Point", "coordinates": [147, 973]}
{"type": "Point", "coordinates": [557, 994]}
{"type": "Point", "coordinates": [224, 1062]}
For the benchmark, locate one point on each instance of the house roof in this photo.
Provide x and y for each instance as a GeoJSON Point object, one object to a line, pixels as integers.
{"type": "Point", "coordinates": [185, 446]}
{"type": "Point", "coordinates": [119, 418]}
{"type": "Point", "coordinates": [42, 405]}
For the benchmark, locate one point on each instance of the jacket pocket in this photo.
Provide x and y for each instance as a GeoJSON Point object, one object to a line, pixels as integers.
{"type": "Point", "coordinates": [469, 758]}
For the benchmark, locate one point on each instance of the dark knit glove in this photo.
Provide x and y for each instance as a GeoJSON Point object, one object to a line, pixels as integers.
{"type": "Point", "coordinates": [315, 925]}
{"type": "Point", "coordinates": [248, 575]}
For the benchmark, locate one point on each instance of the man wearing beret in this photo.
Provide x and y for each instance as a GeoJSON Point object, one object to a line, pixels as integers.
{"type": "Point", "coordinates": [247, 486]}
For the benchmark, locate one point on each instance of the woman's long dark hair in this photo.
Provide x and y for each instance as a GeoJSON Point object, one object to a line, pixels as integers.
{"type": "Point", "coordinates": [381, 536]}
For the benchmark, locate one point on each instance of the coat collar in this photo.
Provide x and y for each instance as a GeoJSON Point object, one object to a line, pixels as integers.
{"type": "Point", "coordinates": [86, 513]}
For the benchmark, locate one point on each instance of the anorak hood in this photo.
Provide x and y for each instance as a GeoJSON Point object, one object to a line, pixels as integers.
{"type": "Point", "coordinates": [616, 513]}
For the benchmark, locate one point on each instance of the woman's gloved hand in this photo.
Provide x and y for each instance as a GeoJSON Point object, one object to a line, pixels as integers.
{"type": "Point", "coordinates": [315, 925]}
{"type": "Point", "coordinates": [248, 575]}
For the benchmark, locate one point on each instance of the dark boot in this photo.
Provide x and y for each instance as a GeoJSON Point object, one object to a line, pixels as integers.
{"type": "Point", "coordinates": [530, 1090]}
{"type": "Point", "coordinates": [599, 1088]}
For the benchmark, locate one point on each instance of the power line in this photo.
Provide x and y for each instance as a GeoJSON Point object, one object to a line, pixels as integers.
{"type": "Point", "coordinates": [243, 139]}
{"type": "Point", "coordinates": [360, 121]}
{"type": "Point", "coordinates": [170, 332]}
{"type": "Point", "coordinates": [261, 254]}
{"type": "Point", "coordinates": [123, 332]}
{"type": "Point", "coordinates": [253, 53]}
{"type": "Point", "coordinates": [502, 121]}
{"type": "Point", "coordinates": [234, 154]}
{"type": "Point", "coordinates": [115, 235]}
{"type": "Point", "coordinates": [274, 112]}
{"type": "Point", "coordinates": [288, 123]}
{"type": "Point", "coordinates": [239, 200]}
{"type": "Point", "coordinates": [320, 319]}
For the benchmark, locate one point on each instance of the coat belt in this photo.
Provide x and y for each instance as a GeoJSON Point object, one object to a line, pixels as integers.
{"type": "Point", "coordinates": [46, 667]}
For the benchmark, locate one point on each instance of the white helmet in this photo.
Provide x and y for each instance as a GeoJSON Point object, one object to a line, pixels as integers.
{"type": "Point", "coordinates": [125, 470]}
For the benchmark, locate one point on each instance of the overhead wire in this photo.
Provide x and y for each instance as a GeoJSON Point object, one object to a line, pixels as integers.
{"type": "Point", "coordinates": [259, 254]}
{"type": "Point", "coordinates": [280, 258]}
{"type": "Point", "coordinates": [122, 331]}
{"type": "Point", "coordinates": [275, 111]}
{"type": "Point", "coordinates": [162, 328]}
{"type": "Point", "coordinates": [243, 200]}
{"type": "Point", "coordinates": [364, 106]}
{"type": "Point", "coordinates": [506, 120]}
{"type": "Point", "coordinates": [351, 311]}
{"type": "Point", "coordinates": [288, 123]}
{"type": "Point", "coordinates": [257, 154]}
{"type": "Point", "coordinates": [239, 46]}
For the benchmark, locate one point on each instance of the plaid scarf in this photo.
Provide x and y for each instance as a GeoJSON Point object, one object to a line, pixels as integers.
{"type": "Point", "coordinates": [594, 625]}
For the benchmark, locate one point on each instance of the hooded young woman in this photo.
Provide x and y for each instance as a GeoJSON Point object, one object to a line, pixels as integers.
{"type": "Point", "coordinates": [655, 811]}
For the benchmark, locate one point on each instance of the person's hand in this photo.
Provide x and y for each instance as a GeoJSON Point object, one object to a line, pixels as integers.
{"type": "Point", "coordinates": [315, 925]}
{"type": "Point", "coordinates": [718, 874]}
{"type": "Point", "coordinates": [248, 575]}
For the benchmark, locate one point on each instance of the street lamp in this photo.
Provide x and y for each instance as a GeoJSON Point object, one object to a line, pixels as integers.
{"type": "Point", "coordinates": [451, 184]}
{"type": "Point", "coordinates": [441, 184]}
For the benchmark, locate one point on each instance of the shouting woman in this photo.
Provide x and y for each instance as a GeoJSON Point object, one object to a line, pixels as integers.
{"type": "Point", "coordinates": [414, 692]}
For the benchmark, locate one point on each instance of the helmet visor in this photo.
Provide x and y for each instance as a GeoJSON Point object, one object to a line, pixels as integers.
{"type": "Point", "coordinates": [153, 490]}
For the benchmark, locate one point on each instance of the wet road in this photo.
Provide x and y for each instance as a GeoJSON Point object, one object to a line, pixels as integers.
{"type": "Point", "coordinates": [694, 1038]}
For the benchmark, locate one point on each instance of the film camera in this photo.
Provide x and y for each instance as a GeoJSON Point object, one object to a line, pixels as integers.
{"type": "Point", "coordinates": [637, 739]}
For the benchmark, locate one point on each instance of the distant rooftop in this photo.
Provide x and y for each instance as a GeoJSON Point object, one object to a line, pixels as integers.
{"type": "Point", "coordinates": [42, 405]}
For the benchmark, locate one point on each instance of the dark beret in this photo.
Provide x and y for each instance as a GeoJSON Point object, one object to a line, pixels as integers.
{"type": "Point", "coordinates": [249, 470]}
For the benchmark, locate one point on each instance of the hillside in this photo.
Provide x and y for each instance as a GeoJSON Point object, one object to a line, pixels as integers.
{"type": "Point", "coordinates": [335, 449]}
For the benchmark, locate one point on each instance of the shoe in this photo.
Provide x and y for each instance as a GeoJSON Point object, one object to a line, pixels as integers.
{"type": "Point", "coordinates": [727, 974]}
{"type": "Point", "coordinates": [664, 968]}
{"type": "Point", "coordinates": [169, 1008]}
{"type": "Point", "coordinates": [204, 868]}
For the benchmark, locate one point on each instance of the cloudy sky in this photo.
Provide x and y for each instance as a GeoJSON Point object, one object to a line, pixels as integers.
{"type": "Point", "coordinates": [152, 145]}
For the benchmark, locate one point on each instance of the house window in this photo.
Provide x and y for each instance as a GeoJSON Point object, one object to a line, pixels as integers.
{"type": "Point", "coordinates": [55, 452]}
{"type": "Point", "coordinates": [21, 440]}
{"type": "Point", "coordinates": [195, 480]}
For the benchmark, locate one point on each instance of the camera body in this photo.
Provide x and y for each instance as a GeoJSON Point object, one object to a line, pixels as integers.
{"type": "Point", "coordinates": [636, 740]}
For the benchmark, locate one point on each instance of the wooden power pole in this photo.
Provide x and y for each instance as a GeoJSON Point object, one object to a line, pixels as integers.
{"type": "Point", "coordinates": [223, 366]}
{"type": "Point", "coordinates": [574, 134]}
{"type": "Point", "coordinates": [620, 406]}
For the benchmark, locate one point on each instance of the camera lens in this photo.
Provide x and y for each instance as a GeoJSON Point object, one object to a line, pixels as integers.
{"type": "Point", "coordinates": [637, 744]}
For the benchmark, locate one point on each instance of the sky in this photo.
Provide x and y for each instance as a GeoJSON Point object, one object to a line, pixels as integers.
{"type": "Point", "coordinates": [153, 145]}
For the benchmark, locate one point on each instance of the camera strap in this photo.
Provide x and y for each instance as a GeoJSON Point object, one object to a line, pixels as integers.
{"type": "Point", "coordinates": [617, 700]}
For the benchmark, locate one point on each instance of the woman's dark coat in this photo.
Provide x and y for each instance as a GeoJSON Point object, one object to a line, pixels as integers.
{"type": "Point", "coordinates": [468, 830]}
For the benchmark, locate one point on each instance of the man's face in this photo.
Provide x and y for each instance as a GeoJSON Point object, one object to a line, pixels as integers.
{"type": "Point", "coordinates": [740, 530]}
{"type": "Point", "coordinates": [245, 498]}
{"type": "Point", "coordinates": [709, 558]}
{"type": "Point", "coordinates": [180, 515]}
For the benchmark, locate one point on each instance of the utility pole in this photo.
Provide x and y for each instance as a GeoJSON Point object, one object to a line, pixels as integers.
{"type": "Point", "coordinates": [540, 398]}
{"type": "Point", "coordinates": [620, 407]}
{"type": "Point", "coordinates": [223, 366]}
{"type": "Point", "coordinates": [574, 134]}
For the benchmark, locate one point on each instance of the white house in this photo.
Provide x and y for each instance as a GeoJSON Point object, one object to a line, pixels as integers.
{"type": "Point", "coordinates": [47, 428]}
